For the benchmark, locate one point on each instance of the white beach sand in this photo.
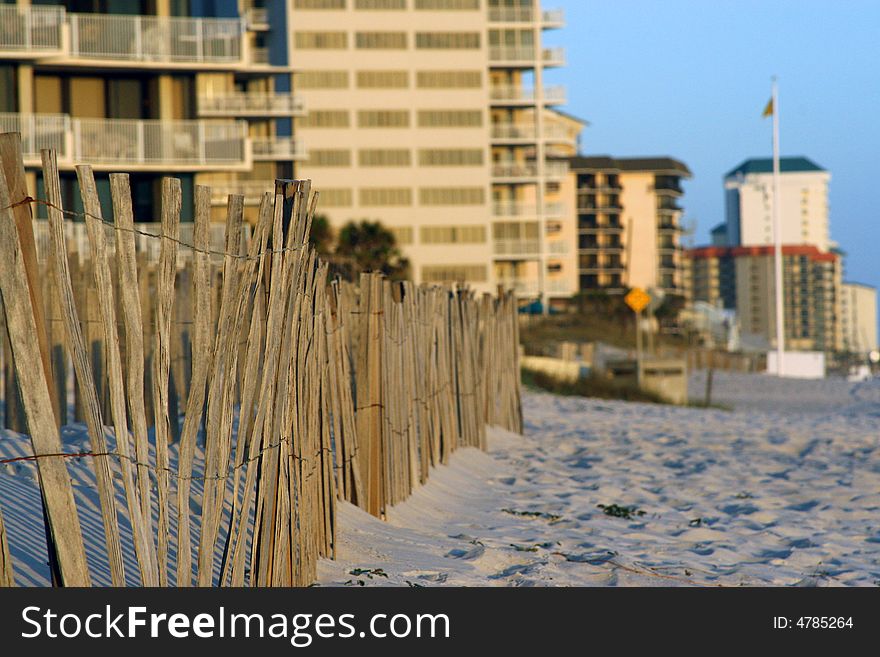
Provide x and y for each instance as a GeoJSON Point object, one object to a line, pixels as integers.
{"type": "Point", "coordinates": [783, 490]}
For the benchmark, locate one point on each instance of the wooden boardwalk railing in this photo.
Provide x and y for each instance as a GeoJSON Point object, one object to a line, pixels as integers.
{"type": "Point", "coordinates": [234, 393]}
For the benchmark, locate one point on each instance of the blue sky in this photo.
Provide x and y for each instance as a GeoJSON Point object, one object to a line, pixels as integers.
{"type": "Point", "coordinates": [689, 78]}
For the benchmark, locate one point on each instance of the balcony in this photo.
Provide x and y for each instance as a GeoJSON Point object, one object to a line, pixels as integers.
{"type": "Point", "coordinates": [553, 56]}
{"type": "Point", "coordinates": [510, 132]}
{"type": "Point", "coordinates": [553, 18]}
{"type": "Point", "coordinates": [511, 15]}
{"type": "Point", "coordinates": [51, 35]}
{"type": "Point", "coordinates": [156, 39]}
{"type": "Point", "coordinates": [514, 95]}
{"type": "Point", "coordinates": [513, 55]}
{"type": "Point", "coordinates": [252, 104]}
{"type": "Point", "coordinates": [252, 190]}
{"type": "Point", "coordinates": [278, 148]}
{"type": "Point", "coordinates": [30, 32]}
{"type": "Point", "coordinates": [133, 145]}
{"type": "Point", "coordinates": [518, 209]}
{"type": "Point", "coordinates": [521, 287]}
{"type": "Point", "coordinates": [257, 19]}
{"type": "Point", "coordinates": [516, 247]}
{"type": "Point", "coordinates": [557, 247]}
{"type": "Point", "coordinates": [556, 169]}
{"type": "Point", "coordinates": [514, 170]}
{"type": "Point", "coordinates": [559, 134]}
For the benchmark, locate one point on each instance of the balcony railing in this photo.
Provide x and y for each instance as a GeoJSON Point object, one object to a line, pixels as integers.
{"type": "Point", "coordinates": [252, 104]}
{"type": "Point", "coordinates": [257, 18]}
{"type": "Point", "coordinates": [557, 247]}
{"type": "Point", "coordinates": [278, 148]}
{"type": "Point", "coordinates": [156, 38]}
{"type": "Point", "coordinates": [513, 131]}
{"type": "Point", "coordinates": [131, 142]}
{"type": "Point", "coordinates": [511, 15]}
{"type": "Point", "coordinates": [512, 54]}
{"type": "Point", "coordinates": [30, 29]}
{"type": "Point", "coordinates": [559, 286]}
{"type": "Point", "coordinates": [553, 17]}
{"type": "Point", "coordinates": [553, 56]}
{"type": "Point", "coordinates": [252, 190]}
{"type": "Point", "coordinates": [516, 247]}
{"type": "Point", "coordinates": [556, 169]}
{"type": "Point", "coordinates": [39, 131]}
{"type": "Point", "coordinates": [521, 287]}
{"type": "Point", "coordinates": [514, 170]}
{"type": "Point", "coordinates": [517, 209]}
{"type": "Point", "coordinates": [513, 93]}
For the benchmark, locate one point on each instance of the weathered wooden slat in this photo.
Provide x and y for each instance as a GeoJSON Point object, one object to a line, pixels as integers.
{"type": "Point", "coordinates": [130, 302]}
{"type": "Point", "coordinates": [171, 202]}
{"type": "Point", "coordinates": [82, 366]}
{"type": "Point", "coordinates": [7, 573]}
{"type": "Point", "coordinates": [12, 166]}
{"type": "Point", "coordinates": [107, 311]}
{"type": "Point", "coordinates": [202, 357]}
{"type": "Point", "coordinates": [55, 482]}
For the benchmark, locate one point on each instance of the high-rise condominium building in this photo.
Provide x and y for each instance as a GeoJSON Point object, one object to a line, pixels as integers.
{"type": "Point", "coordinates": [198, 90]}
{"type": "Point", "coordinates": [748, 191]}
{"type": "Point", "coordinates": [433, 117]}
{"type": "Point", "coordinates": [628, 222]}
{"type": "Point", "coordinates": [743, 278]}
{"type": "Point", "coordinates": [858, 318]}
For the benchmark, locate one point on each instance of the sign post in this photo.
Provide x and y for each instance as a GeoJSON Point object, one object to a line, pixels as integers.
{"type": "Point", "coordinates": [638, 299]}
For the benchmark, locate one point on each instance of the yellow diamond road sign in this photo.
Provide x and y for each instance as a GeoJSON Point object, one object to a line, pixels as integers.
{"type": "Point", "coordinates": [637, 299]}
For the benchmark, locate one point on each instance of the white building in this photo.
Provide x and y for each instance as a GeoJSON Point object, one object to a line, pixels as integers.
{"type": "Point", "coordinates": [804, 203]}
{"type": "Point", "coordinates": [858, 317]}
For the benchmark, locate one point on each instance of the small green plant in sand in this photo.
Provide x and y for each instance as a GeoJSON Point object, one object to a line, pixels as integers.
{"type": "Point", "coordinates": [617, 511]}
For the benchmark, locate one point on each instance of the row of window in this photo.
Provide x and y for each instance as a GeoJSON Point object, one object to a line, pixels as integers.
{"type": "Point", "coordinates": [438, 5]}
{"type": "Point", "coordinates": [335, 79]}
{"type": "Point", "coordinates": [462, 118]}
{"type": "Point", "coordinates": [403, 196]}
{"type": "Point", "coordinates": [397, 157]}
{"type": "Point", "coordinates": [338, 40]}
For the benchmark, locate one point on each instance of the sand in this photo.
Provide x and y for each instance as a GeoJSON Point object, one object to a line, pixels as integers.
{"type": "Point", "coordinates": [782, 490]}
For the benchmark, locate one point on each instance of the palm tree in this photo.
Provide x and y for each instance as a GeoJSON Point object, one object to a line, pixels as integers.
{"type": "Point", "coordinates": [369, 246]}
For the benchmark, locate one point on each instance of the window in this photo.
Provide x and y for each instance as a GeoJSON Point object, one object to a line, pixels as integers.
{"type": "Point", "coordinates": [380, 40]}
{"type": "Point", "coordinates": [334, 198]}
{"type": "Point", "coordinates": [319, 4]}
{"type": "Point", "coordinates": [450, 157]}
{"type": "Point", "coordinates": [452, 234]}
{"type": "Point", "coordinates": [454, 273]}
{"type": "Point", "coordinates": [380, 4]}
{"type": "Point", "coordinates": [383, 118]}
{"type": "Point", "coordinates": [448, 4]}
{"type": "Point", "coordinates": [449, 79]}
{"type": "Point", "coordinates": [371, 196]}
{"type": "Point", "coordinates": [452, 196]}
{"type": "Point", "coordinates": [384, 157]}
{"type": "Point", "coordinates": [324, 119]}
{"type": "Point", "coordinates": [321, 40]}
{"type": "Point", "coordinates": [447, 40]}
{"type": "Point", "coordinates": [329, 157]}
{"type": "Point", "coordinates": [450, 118]}
{"type": "Point", "coordinates": [320, 80]}
{"type": "Point", "coordinates": [402, 234]}
{"type": "Point", "coordinates": [382, 79]}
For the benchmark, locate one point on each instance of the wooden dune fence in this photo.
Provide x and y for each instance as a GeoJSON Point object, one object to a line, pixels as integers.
{"type": "Point", "coordinates": [231, 392]}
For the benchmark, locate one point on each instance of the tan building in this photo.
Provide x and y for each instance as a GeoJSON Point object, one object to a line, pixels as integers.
{"type": "Point", "coordinates": [432, 117]}
{"type": "Point", "coordinates": [628, 221]}
{"type": "Point", "coordinates": [150, 88]}
{"type": "Point", "coordinates": [743, 277]}
{"type": "Point", "coordinates": [858, 317]}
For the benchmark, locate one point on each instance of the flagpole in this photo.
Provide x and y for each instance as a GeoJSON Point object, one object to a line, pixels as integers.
{"type": "Point", "coordinates": [777, 239]}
